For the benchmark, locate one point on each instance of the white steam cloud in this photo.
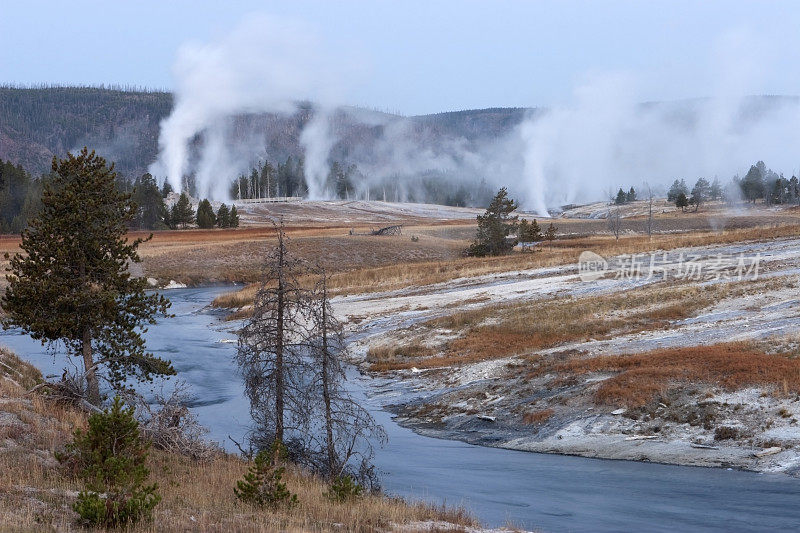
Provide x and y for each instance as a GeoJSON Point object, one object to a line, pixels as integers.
{"type": "Point", "coordinates": [602, 139]}
{"type": "Point", "coordinates": [264, 65]}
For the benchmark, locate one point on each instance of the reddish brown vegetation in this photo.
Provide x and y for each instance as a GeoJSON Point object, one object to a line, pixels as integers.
{"type": "Point", "coordinates": [642, 377]}
{"type": "Point", "coordinates": [537, 417]}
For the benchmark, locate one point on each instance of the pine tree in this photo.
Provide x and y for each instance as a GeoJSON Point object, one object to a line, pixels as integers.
{"type": "Point", "coordinates": [550, 234]}
{"type": "Point", "coordinates": [529, 232]}
{"type": "Point", "coordinates": [182, 213]}
{"type": "Point", "coordinates": [263, 484]}
{"type": "Point", "coordinates": [110, 458]}
{"type": "Point", "coordinates": [234, 219]}
{"type": "Point", "coordinates": [166, 189]}
{"type": "Point", "coordinates": [621, 197]}
{"type": "Point", "coordinates": [682, 201]}
{"type": "Point", "coordinates": [223, 217]}
{"type": "Point", "coordinates": [149, 202]}
{"type": "Point", "coordinates": [494, 226]}
{"type": "Point", "coordinates": [73, 283]}
{"type": "Point", "coordinates": [630, 196]}
{"type": "Point", "coordinates": [206, 218]}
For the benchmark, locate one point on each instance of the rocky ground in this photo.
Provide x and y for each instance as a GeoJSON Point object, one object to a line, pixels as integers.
{"type": "Point", "coordinates": [503, 402]}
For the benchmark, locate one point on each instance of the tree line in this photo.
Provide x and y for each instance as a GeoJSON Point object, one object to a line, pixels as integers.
{"type": "Point", "coordinates": [21, 196]}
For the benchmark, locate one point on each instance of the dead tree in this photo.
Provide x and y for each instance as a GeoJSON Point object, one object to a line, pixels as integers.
{"type": "Point", "coordinates": [348, 429]}
{"type": "Point", "coordinates": [271, 350]}
{"type": "Point", "coordinates": [615, 222]}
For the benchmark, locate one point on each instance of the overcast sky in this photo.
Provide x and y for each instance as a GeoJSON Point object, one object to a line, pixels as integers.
{"type": "Point", "coordinates": [428, 56]}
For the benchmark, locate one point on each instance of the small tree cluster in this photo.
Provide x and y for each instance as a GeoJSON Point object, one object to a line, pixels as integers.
{"type": "Point", "coordinates": [110, 458]}
{"type": "Point", "coordinates": [495, 226]}
{"type": "Point", "coordinates": [625, 197]}
{"type": "Point", "coordinates": [227, 218]}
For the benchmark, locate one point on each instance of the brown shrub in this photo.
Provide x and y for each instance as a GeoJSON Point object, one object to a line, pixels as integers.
{"type": "Point", "coordinates": [537, 417]}
{"type": "Point", "coordinates": [725, 433]}
{"type": "Point", "coordinates": [641, 377]}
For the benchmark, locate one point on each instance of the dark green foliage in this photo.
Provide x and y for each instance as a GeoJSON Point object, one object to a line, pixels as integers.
{"type": "Point", "coordinates": [110, 458]}
{"type": "Point", "coordinates": [46, 121]}
{"type": "Point", "coordinates": [234, 217]}
{"type": "Point", "coordinates": [263, 484]}
{"type": "Point", "coordinates": [529, 232]}
{"type": "Point", "coordinates": [166, 189]}
{"type": "Point", "coordinates": [621, 197]}
{"type": "Point", "coordinates": [494, 227]}
{"type": "Point", "coordinates": [550, 234]}
{"type": "Point", "coordinates": [182, 214]}
{"type": "Point", "coordinates": [72, 282]}
{"type": "Point", "coordinates": [631, 195]}
{"type": "Point", "coordinates": [701, 192]}
{"type": "Point", "coordinates": [681, 201]}
{"type": "Point", "coordinates": [224, 217]}
{"type": "Point", "coordinates": [206, 218]}
{"type": "Point", "coordinates": [753, 183]}
{"type": "Point", "coordinates": [677, 188]}
{"type": "Point", "coordinates": [715, 191]}
{"type": "Point", "coordinates": [19, 197]}
{"type": "Point", "coordinates": [151, 210]}
{"type": "Point", "coordinates": [343, 489]}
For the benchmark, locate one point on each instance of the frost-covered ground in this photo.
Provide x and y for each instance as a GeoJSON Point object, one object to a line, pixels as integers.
{"type": "Point", "coordinates": [481, 402]}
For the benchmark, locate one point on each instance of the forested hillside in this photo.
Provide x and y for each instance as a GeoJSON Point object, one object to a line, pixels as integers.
{"type": "Point", "coordinates": [36, 124]}
{"type": "Point", "coordinates": [123, 126]}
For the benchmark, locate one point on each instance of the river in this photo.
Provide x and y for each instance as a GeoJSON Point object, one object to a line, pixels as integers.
{"type": "Point", "coordinates": [534, 491]}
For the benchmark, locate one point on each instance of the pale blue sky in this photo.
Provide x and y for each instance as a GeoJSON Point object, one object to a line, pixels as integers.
{"type": "Point", "coordinates": [421, 57]}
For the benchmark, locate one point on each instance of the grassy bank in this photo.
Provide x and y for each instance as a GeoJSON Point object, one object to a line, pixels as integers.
{"type": "Point", "coordinates": [36, 495]}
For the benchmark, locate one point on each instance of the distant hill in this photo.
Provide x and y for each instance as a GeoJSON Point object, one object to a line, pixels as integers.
{"type": "Point", "coordinates": [39, 123]}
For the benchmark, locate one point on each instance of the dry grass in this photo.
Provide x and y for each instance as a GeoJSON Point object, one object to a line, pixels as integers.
{"type": "Point", "coordinates": [399, 274]}
{"type": "Point", "coordinates": [640, 378]}
{"type": "Point", "coordinates": [384, 357]}
{"type": "Point", "coordinates": [537, 417]}
{"type": "Point", "coordinates": [498, 331]}
{"type": "Point", "coordinates": [35, 494]}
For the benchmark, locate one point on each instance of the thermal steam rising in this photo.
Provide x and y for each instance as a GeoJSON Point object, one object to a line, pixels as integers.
{"type": "Point", "coordinates": [602, 139]}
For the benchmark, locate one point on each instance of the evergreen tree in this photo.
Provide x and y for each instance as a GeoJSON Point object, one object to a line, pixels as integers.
{"type": "Point", "coordinates": [681, 201]}
{"type": "Point", "coordinates": [206, 218]}
{"type": "Point", "coordinates": [621, 197]}
{"type": "Point", "coordinates": [715, 192]}
{"type": "Point", "coordinates": [234, 217]}
{"type": "Point", "coordinates": [182, 212]}
{"type": "Point", "coordinates": [529, 232]}
{"type": "Point", "coordinates": [224, 217]}
{"type": "Point", "coordinates": [263, 484]}
{"type": "Point", "coordinates": [677, 188]}
{"type": "Point", "coordinates": [753, 182]}
{"type": "Point", "coordinates": [73, 283]}
{"type": "Point", "coordinates": [494, 227]}
{"type": "Point", "coordinates": [149, 202]}
{"type": "Point", "coordinates": [701, 193]}
{"type": "Point", "coordinates": [550, 234]}
{"type": "Point", "coordinates": [630, 196]}
{"type": "Point", "coordinates": [166, 189]}
{"type": "Point", "coordinates": [110, 457]}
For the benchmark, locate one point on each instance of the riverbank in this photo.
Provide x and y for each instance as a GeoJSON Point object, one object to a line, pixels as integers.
{"type": "Point", "coordinates": [197, 495]}
{"type": "Point", "coordinates": [700, 373]}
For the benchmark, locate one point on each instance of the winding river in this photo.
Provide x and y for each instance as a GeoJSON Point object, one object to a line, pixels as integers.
{"type": "Point", "coordinates": [533, 491]}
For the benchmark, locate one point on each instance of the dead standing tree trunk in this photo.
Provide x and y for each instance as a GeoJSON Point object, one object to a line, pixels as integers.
{"type": "Point", "coordinates": [349, 429]}
{"type": "Point", "coordinates": [272, 350]}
